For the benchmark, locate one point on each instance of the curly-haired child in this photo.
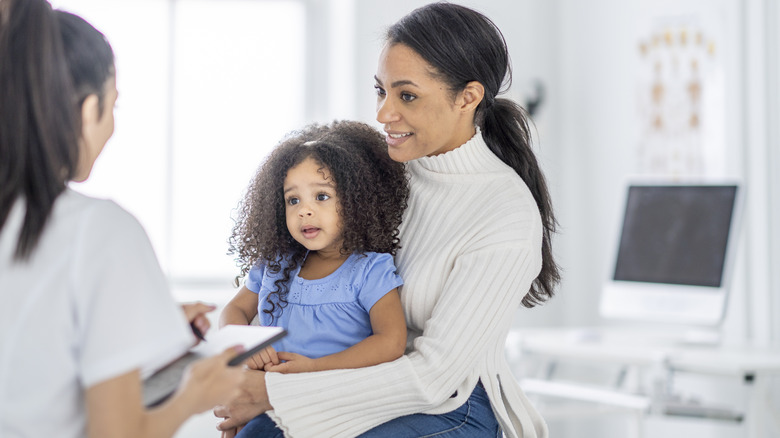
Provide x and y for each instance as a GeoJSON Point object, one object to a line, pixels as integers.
{"type": "Point", "coordinates": [316, 233]}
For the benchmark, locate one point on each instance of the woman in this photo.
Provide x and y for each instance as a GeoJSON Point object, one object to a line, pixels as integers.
{"type": "Point", "coordinates": [86, 311]}
{"type": "Point", "coordinates": [475, 245]}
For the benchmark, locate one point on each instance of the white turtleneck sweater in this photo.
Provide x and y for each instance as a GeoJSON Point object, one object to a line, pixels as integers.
{"type": "Point", "coordinates": [471, 246]}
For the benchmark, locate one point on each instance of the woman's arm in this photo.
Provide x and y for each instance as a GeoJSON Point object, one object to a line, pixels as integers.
{"type": "Point", "coordinates": [468, 323]}
{"type": "Point", "coordinates": [115, 409]}
{"type": "Point", "coordinates": [252, 402]}
{"type": "Point", "coordinates": [241, 309]}
{"type": "Point", "coordinates": [387, 343]}
{"type": "Point", "coordinates": [389, 326]}
{"type": "Point", "coordinates": [474, 312]}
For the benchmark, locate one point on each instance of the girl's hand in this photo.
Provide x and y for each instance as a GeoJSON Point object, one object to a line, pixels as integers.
{"type": "Point", "coordinates": [266, 357]}
{"type": "Point", "coordinates": [293, 363]}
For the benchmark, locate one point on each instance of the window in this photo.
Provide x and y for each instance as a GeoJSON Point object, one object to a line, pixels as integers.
{"type": "Point", "coordinates": [206, 89]}
{"type": "Point", "coordinates": [237, 89]}
{"type": "Point", "coordinates": [773, 114]}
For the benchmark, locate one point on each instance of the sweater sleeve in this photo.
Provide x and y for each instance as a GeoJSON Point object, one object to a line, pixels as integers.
{"type": "Point", "coordinates": [472, 314]}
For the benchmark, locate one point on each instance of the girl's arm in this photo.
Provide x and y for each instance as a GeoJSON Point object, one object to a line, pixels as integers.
{"type": "Point", "coordinates": [241, 309]}
{"type": "Point", "coordinates": [115, 408]}
{"type": "Point", "coordinates": [386, 344]}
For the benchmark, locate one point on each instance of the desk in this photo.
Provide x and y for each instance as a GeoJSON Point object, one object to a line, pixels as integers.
{"type": "Point", "coordinates": [661, 356]}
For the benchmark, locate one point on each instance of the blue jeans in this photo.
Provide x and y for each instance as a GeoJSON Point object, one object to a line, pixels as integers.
{"type": "Point", "coordinates": [474, 419]}
{"type": "Point", "coordinates": [261, 426]}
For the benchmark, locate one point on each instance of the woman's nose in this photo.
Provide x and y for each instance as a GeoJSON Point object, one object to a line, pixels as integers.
{"type": "Point", "coordinates": [385, 112]}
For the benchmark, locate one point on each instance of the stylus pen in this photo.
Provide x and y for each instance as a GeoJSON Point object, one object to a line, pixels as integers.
{"type": "Point", "coordinates": [197, 331]}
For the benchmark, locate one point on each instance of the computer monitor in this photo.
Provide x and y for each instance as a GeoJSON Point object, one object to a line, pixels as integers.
{"type": "Point", "coordinates": [675, 253]}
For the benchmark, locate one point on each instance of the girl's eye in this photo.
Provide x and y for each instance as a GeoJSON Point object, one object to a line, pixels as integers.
{"type": "Point", "coordinates": [379, 90]}
{"type": "Point", "coordinates": [292, 201]}
{"type": "Point", "coordinates": [406, 97]}
{"type": "Point", "coordinates": [323, 197]}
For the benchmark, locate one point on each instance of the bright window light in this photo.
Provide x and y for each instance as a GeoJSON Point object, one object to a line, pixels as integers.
{"type": "Point", "coordinates": [238, 89]}
{"type": "Point", "coordinates": [206, 89]}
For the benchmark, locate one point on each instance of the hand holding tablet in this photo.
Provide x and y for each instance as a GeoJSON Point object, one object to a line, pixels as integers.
{"type": "Point", "coordinates": [158, 387]}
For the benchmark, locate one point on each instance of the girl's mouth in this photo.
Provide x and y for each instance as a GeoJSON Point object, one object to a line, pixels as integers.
{"type": "Point", "coordinates": [310, 232]}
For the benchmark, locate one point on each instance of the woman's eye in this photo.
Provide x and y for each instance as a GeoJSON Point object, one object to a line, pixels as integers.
{"type": "Point", "coordinates": [323, 197]}
{"type": "Point", "coordinates": [406, 97]}
{"type": "Point", "coordinates": [379, 90]}
{"type": "Point", "coordinates": [292, 201]}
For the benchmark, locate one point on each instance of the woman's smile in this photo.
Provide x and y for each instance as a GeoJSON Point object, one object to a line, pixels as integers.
{"type": "Point", "coordinates": [397, 139]}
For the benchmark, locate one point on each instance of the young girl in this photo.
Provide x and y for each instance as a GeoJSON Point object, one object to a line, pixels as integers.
{"type": "Point", "coordinates": [316, 233]}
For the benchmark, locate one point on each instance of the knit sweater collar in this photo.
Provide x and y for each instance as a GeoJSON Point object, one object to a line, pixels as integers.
{"type": "Point", "coordinates": [472, 157]}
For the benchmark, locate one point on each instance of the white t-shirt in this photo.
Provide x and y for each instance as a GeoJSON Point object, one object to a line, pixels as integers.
{"type": "Point", "coordinates": [90, 304]}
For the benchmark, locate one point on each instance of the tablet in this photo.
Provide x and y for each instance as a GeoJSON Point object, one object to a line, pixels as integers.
{"type": "Point", "coordinates": [163, 383]}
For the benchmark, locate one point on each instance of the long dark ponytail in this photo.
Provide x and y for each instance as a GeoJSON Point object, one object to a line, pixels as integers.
{"type": "Point", "coordinates": [462, 46]}
{"type": "Point", "coordinates": [47, 71]}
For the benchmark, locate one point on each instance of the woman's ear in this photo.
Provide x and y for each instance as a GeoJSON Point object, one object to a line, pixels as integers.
{"type": "Point", "coordinates": [89, 148]}
{"type": "Point", "coordinates": [90, 115]}
{"type": "Point", "coordinates": [471, 96]}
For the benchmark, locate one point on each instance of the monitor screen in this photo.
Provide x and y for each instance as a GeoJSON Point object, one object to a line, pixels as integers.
{"type": "Point", "coordinates": [675, 234]}
{"type": "Point", "coordinates": [674, 252]}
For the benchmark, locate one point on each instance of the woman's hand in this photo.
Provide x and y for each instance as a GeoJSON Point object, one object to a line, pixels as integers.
{"type": "Point", "coordinates": [252, 402]}
{"type": "Point", "coordinates": [196, 315]}
{"type": "Point", "coordinates": [210, 382]}
{"type": "Point", "coordinates": [231, 433]}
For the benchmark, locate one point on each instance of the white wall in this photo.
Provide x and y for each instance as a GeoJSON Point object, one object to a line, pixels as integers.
{"type": "Point", "coordinates": [596, 133]}
{"type": "Point", "coordinates": [597, 118]}
{"type": "Point", "coordinates": [596, 55]}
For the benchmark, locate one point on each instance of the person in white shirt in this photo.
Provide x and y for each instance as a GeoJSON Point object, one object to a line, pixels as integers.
{"type": "Point", "coordinates": [475, 246]}
{"type": "Point", "coordinates": [85, 310]}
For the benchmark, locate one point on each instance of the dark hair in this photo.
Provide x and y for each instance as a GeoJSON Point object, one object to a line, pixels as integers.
{"type": "Point", "coordinates": [462, 46]}
{"type": "Point", "coordinates": [372, 191]}
{"type": "Point", "coordinates": [52, 61]}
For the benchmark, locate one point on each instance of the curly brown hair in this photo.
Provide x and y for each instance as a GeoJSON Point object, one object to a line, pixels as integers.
{"type": "Point", "coordinates": [372, 190]}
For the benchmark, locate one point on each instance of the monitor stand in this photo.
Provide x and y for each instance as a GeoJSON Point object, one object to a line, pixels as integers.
{"type": "Point", "coordinates": [658, 332]}
{"type": "Point", "coordinates": [702, 336]}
